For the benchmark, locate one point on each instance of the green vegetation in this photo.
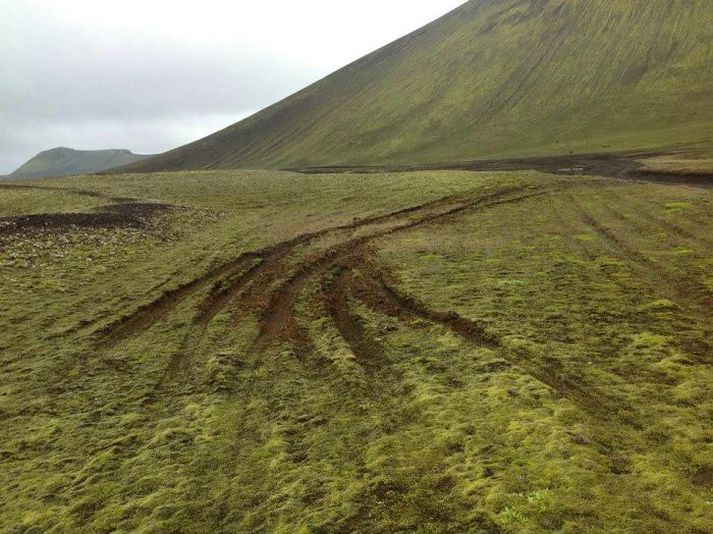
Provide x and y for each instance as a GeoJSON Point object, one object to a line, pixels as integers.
{"type": "Point", "coordinates": [66, 161]}
{"type": "Point", "coordinates": [694, 160]}
{"type": "Point", "coordinates": [432, 351]}
{"type": "Point", "coordinates": [493, 79]}
{"type": "Point", "coordinates": [435, 351]}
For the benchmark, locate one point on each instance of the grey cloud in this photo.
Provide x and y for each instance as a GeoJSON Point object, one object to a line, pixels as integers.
{"type": "Point", "coordinates": [21, 139]}
{"type": "Point", "coordinates": [135, 92]}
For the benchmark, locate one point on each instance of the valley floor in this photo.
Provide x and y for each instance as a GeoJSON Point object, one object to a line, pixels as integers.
{"type": "Point", "coordinates": [430, 351]}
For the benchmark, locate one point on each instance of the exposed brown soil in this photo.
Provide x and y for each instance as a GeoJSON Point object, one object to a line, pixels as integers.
{"type": "Point", "coordinates": [379, 295]}
{"type": "Point", "coordinates": [338, 291]}
{"type": "Point", "coordinates": [119, 213]}
{"type": "Point", "coordinates": [146, 316]}
{"type": "Point", "coordinates": [270, 282]}
{"type": "Point", "coordinates": [279, 320]}
{"type": "Point", "coordinates": [268, 267]}
{"type": "Point", "coordinates": [703, 477]}
{"type": "Point", "coordinates": [372, 290]}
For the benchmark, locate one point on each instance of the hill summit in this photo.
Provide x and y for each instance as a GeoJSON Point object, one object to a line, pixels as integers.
{"type": "Point", "coordinates": [493, 79]}
{"type": "Point", "coordinates": [64, 161]}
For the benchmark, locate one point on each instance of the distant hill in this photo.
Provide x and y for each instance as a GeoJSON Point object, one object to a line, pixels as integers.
{"type": "Point", "coordinates": [493, 79]}
{"type": "Point", "coordinates": [66, 161]}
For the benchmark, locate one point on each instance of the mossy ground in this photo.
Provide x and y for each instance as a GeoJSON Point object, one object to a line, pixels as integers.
{"type": "Point", "coordinates": [697, 159]}
{"type": "Point", "coordinates": [591, 412]}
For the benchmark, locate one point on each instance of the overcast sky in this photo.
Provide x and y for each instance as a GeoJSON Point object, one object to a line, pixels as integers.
{"type": "Point", "coordinates": [150, 75]}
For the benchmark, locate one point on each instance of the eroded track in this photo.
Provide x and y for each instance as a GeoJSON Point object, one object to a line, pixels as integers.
{"type": "Point", "coordinates": [269, 282]}
{"type": "Point", "coordinates": [338, 267]}
{"type": "Point", "coordinates": [340, 262]}
{"type": "Point", "coordinates": [271, 264]}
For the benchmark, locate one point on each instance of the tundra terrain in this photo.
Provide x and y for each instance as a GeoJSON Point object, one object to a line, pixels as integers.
{"type": "Point", "coordinates": [429, 350]}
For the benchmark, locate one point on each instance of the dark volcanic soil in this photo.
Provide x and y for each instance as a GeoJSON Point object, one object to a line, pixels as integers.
{"type": "Point", "coordinates": [625, 166]}
{"type": "Point", "coordinates": [128, 215]}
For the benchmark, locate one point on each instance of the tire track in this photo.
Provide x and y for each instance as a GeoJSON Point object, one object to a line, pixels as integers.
{"type": "Point", "coordinates": [642, 212]}
{"type": "Point", "coordinates": [363, 280]}
{"type": "Point", "coordinates": [279, 321]}
{"type": "Point", "coordinates": [241, 280]}
{"type": "Point", "coordinates": [686, 293]}
{"type": "Point", "coordinates": [337, 292]}
{"type": "Point", "coordinates": [245, 281]}
{"type": "Point", "coordinates": [478, 334]}
{"type": "Point", "coordinates": [146, 316]}
{"type": "Point", "coordinates": [602, 410]}
{"type": "Point", "coordinates": [606, 235]}
{"type": "Point", "coordinates": [675, 229]}
{"type": "Point", "coordinates": [641, 217]}
{"type": "Point", "coordinates": [209, 308]}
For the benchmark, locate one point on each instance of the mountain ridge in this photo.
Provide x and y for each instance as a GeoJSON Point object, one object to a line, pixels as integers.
{"type": "Point", "coordinates": [63, 161]}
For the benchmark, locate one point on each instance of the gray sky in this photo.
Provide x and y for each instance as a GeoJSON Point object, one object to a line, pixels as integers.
{"type": "Point", "coordinates": [149, 75]}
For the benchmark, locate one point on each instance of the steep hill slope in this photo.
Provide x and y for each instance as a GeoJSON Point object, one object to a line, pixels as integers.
{"type": "Point", "coordinates": [65, 161]}
{"type": "Point", "coordinates": [493, 79]}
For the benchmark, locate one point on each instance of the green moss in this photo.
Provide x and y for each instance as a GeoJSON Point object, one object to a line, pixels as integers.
{"type": "Point", "coordinates": [684, 251]}
{"type": "Point", "coordinates": [583, 407]}
{"type": "Point", "coordinates": [586, 237]}
{"type": "Point", "coordinates": [678, 206]}
{"type": "Point", "coordinates": [661, 305]}
{"type": "Point", "coordinates": [647, 339]}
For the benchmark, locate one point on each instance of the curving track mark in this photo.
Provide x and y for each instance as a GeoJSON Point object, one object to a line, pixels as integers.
{"type": "Point", "coordinates": [608, 237]}
{"type": "Point", "coordinates": [673, 228]}
{"type": "Point", "coordinates": [347, 274]}
{"type": "Point", "coordinates": [337, 291]}
{"type": "Point", "coordinates": [466, 328]}
{"type": "Point", "coordinates": [362, 279]}
{"type": "Point", "coordinates": [279, 321]}
{"type": "Point", "coordinates": [250, 278]}
{"type": "Point", "coordinates": [643, 213]}
{"type": "Point", "coordinates": [601, 409]}
{"type": "Point", "coordinates": [146, 316]}
{"type": "Point", "coordinates": [208, 309]}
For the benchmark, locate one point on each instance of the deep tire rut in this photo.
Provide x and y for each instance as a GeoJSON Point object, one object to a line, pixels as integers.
{"type": "Point", "coordinates": [245, 282]}
{"type": "Point", "coordinates": [337, 292]}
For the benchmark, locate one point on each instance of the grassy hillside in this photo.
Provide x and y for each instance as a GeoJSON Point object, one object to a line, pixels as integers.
{"type": "Point", "coordinates": [65, 161]}
{"type": "Point", "coordinates": [493, 79]}
{"type": "Point", "coordinates": [261, 351]}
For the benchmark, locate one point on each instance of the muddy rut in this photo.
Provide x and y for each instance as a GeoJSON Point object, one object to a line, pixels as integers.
{"type": "Point", "coordinates": [341, 264]}
{"type": "Point", "coordinates": [269, 282]}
